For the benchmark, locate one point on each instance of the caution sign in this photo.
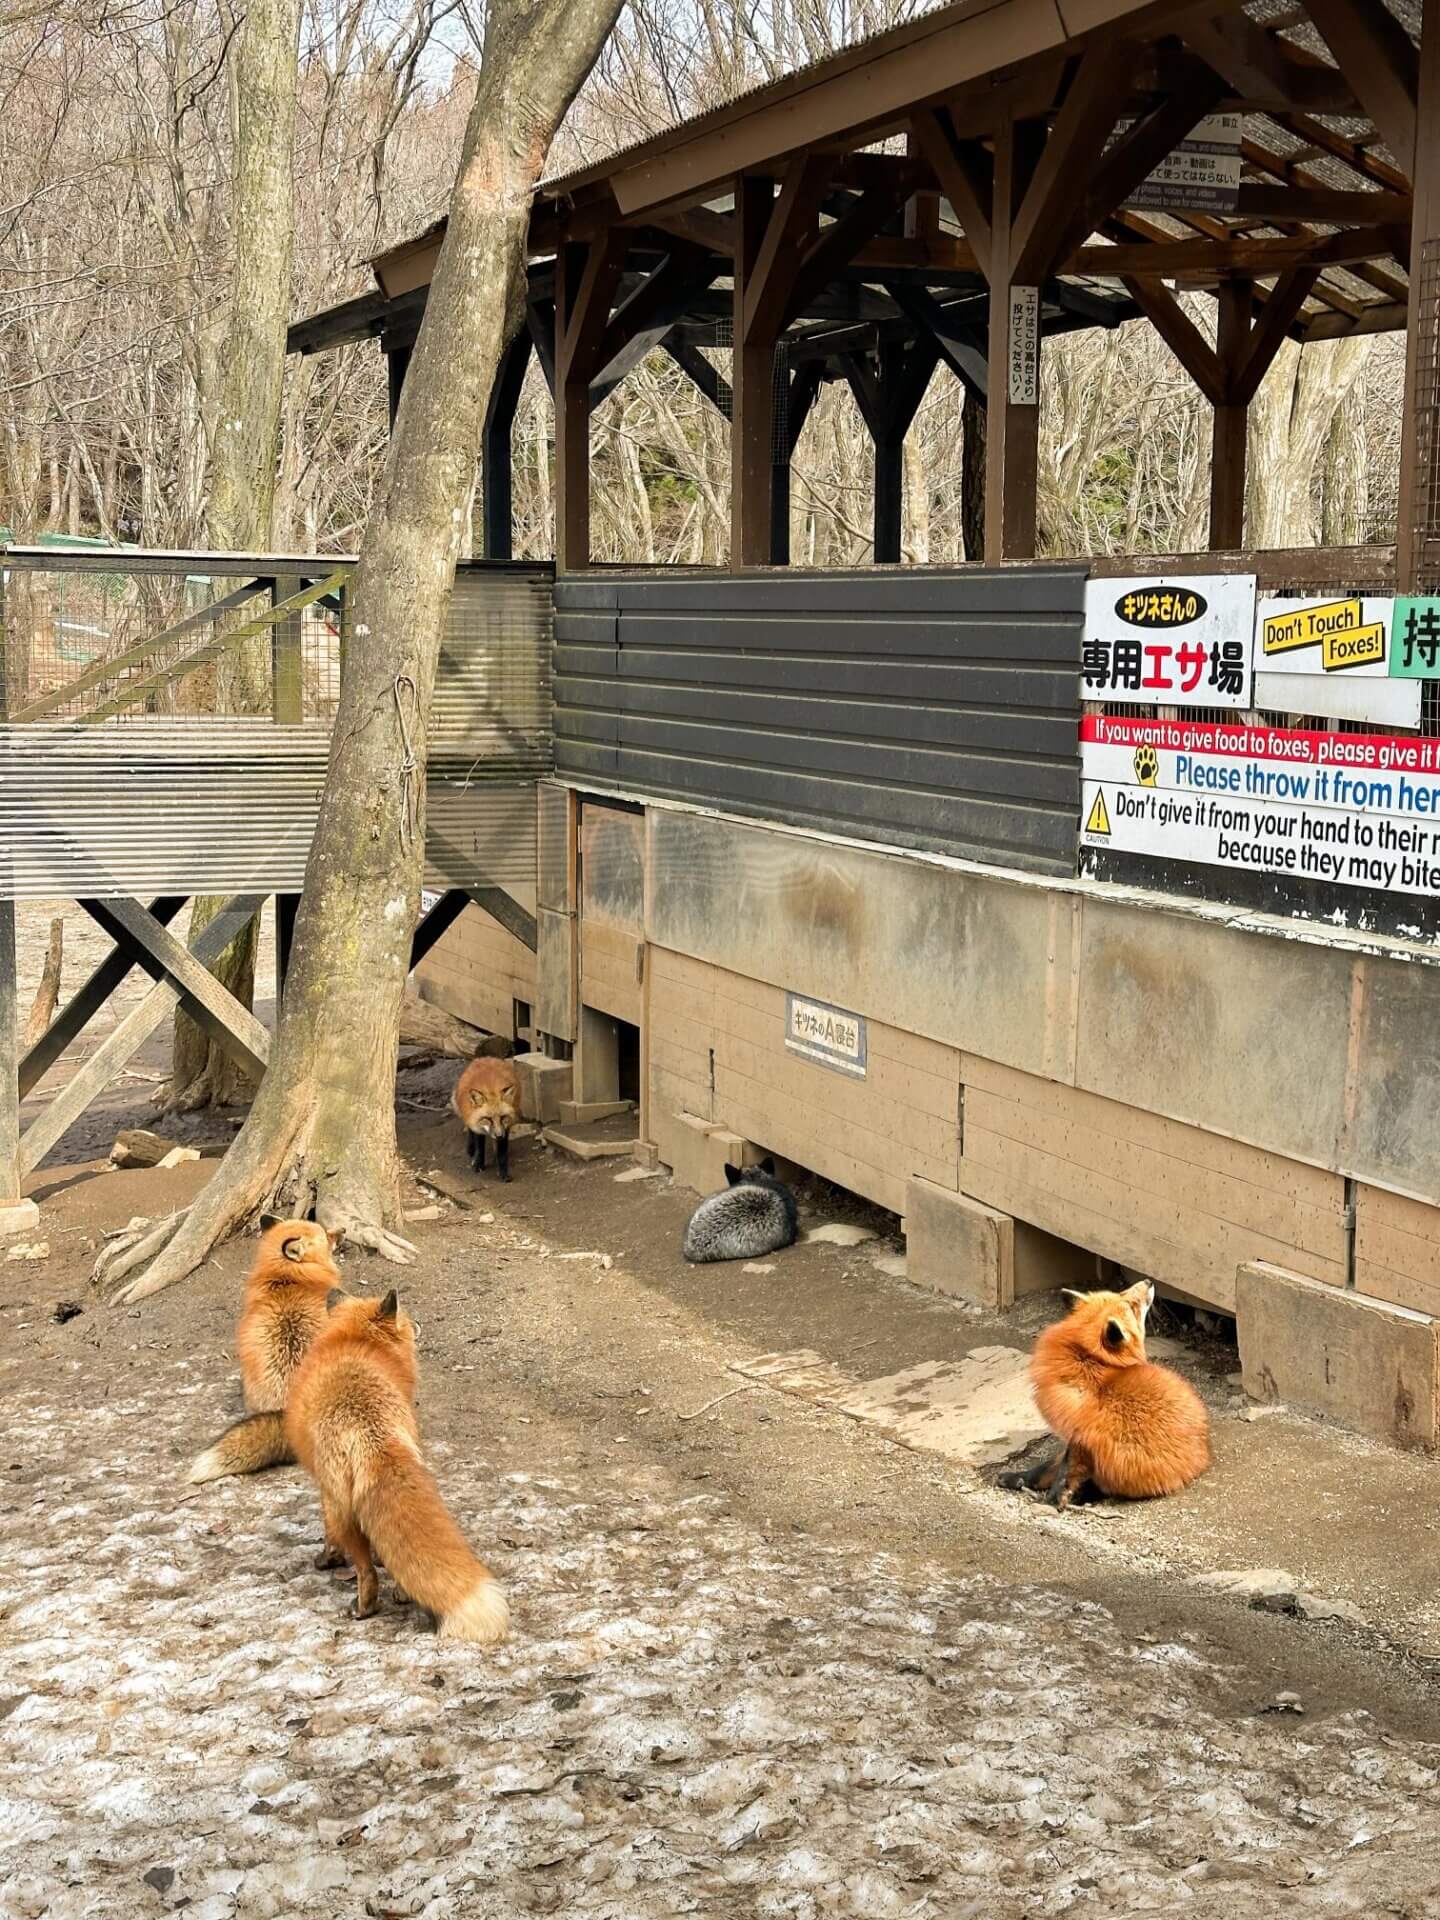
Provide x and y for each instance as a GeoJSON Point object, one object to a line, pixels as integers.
{"type": "Point", "coordinates": [1098, 818]}
{"type": "Point", "coordinates": [1351, 810]}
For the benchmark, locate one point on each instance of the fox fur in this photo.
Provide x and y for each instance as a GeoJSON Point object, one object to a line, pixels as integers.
{"type": "Point", "coordinates": [351, 1424]}
{"type": "Point", "coordinates": [487, 1104]}
{"type": "Point", "coordinates": [755, 1214]}
{"type": "Point", "coordinates": [282, 1311]}
{"type": "Point", "coordinates": [1126, 1425]}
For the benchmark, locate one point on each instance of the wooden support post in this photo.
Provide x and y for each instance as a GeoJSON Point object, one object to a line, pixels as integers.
{"type": "Point", "coordinates": [287, 656]}
{"type": "Point", "coordinates": [397, 363]}
{"type": "Point", "coordinates": [586, 278]}
{"type": "Point", "coordinates": [889, 396]}
{"type": "Point", "coordinates": [1232, 420]}
{"type": "Point", "coordinates": [752, 378]}
{"type": "Point", "coordinates": [1417, 529]}
{"type": "Point", "coordinates": [1013, 410]}
{"type": "Point", "coordinates": [496, 472]}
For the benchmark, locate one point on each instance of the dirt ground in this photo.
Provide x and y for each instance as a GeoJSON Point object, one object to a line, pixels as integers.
{"type": "Point", "coordinates": [764, 1662]}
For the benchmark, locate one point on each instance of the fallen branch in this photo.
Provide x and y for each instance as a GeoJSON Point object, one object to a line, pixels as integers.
{"type": "Point", "coordinates": [47, 994]}
{"type": "Point", "coordinates": [730, 1395]}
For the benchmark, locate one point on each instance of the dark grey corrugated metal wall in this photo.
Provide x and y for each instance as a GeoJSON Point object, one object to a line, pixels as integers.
{"type": "Point", "coordinates": [934, 709]}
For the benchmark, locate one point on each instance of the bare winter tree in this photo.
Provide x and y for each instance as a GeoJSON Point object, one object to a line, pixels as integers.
{"type": "Point", "coordinates": [246, 432]}
{"type": "Point", "coordinates": [322, 1129]}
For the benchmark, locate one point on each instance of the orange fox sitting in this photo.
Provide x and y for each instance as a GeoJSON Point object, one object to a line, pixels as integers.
{"type": "Point", "coordinates": [1126, 1425]}
{"type": "Point", "coordinates": [351, 1424]}
{"type": "Point", "coordinates": [283, 1310]}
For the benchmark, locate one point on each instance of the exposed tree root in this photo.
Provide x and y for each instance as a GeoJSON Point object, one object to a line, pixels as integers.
{"type": "Point", "coordinates": [265, 1171]}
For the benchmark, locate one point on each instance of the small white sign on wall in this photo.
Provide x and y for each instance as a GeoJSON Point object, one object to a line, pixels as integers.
{"type": "Point", "coordinates": [1024, 346]}
{"type": "Point", "coordinates": [429, 900]}
{"type": "Point", "coordinates": [825, 1034]}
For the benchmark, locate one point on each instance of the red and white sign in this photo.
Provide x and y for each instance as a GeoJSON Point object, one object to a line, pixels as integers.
{"type": "Point", "coordinates": [1353, 810]}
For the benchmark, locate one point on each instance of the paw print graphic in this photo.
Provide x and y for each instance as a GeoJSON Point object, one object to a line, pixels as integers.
{"type": "Point", "coordinates": [1147, 766]}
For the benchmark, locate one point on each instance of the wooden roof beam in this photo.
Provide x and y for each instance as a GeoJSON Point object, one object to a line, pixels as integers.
{"type": "Point", "coordinates": [1381, 62]}
{"type": "Point", "coordinates": [1263, 70]}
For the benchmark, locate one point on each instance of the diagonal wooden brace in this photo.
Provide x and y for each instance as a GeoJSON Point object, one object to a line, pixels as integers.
{"type": "Point", "coordinates": [211, 1006]}
{"type": "Point", "coordinates": [135, 1029]}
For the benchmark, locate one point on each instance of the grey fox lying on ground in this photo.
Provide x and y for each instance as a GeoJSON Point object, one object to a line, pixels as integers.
{"type": "Point", "coordinates": [755, 1214]}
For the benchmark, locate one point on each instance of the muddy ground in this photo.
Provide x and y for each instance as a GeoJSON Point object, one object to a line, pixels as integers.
{"type": "Point", "coordinates": [765, 1663]}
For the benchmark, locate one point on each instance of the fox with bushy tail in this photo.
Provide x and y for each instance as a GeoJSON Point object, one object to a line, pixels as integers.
{"type": "Point", "coordinates": [1125, 1425]}
{"type": "Point", "coordinates": [755, 1214]}
{"type": "Point", "coordinates": [351, 1424]}
{"type": "Point", "coordinates": [282, 1311]}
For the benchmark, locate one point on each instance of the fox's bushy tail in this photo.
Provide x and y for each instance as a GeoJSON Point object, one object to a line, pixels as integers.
{"type": "Point", "coordinates": [412, 1533]}
{"type": "Point", "coordinates": [256, 1442]}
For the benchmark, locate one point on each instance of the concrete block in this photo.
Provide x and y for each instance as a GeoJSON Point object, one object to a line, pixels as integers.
{"type": "Point", "coordinates": [574, 1142]}
{"type": "Point", "coordinates": [955, 1245]}
{"type": "Point", "coordinates": [20, 1216]}
{"type": "Point", "coordinates": [1332, 1351]}
{"type": "Point", "coordinates": [646, 1154]}
{"type": "Point", "coordinates": [697, 1151]}
{"type": "Point", "coordinates": [544, 1083]}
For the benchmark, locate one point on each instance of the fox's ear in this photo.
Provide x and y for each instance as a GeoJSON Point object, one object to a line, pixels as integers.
{"type": "Point", "coordinates": [294, 1249]}
{"type": "Point", "coordinates": [268, 1220]}
{"type": "Point", "coordinates": [732, 1175]}
{"type": "Point", "coordinates": [1074, 1293]}
{"type": "Point", "coordinates": [333, 1298]}
{"type": "Point", "coordinates": [334, 1235]}
{"type": "Point", "coordinates": [389, 1306]}
{"type": "Point", "coordinates": [767, 1165]}
{"type": "Point", "coordinates": [1114, 1335]}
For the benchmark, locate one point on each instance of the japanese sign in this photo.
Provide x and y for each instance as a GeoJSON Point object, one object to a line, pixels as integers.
{"type": "Point", "coordinates": [1201, 175]}
{"type": "Point", "coordinates": [825, 1034]}
{"type": "Point", "coordinates": [1354, 810]}
{"type": "Point", "coordinates": [1024, 346]}
{"type": "Point", "coordinates": [1331, 656]}
{"type": "Point", "coordinates": [428, 900]}
{"type": "Point", "coordinates": [1183, 643]}
{"type": "Point", "coordinates": [1415, 640]}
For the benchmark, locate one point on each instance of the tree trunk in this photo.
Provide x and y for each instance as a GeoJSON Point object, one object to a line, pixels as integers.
{"type": "Point", "coordinates": [1345, 476]}
{"type": "Point", "coordinates": [242, 464]}
{"type": "Point", "coordinates": [322, 1129]}
{"type": "Point", "coordinates": [973, 422]}
{"type": "Point", "coordinates": [1290, 420]}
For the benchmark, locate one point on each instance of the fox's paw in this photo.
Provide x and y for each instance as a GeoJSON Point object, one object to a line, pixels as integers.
{"type": "Point", "coordinates": [483, 1616]}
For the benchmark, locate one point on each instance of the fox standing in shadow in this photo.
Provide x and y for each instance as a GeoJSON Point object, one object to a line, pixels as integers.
{"type": "Point", "coordinates": [755, 1214]}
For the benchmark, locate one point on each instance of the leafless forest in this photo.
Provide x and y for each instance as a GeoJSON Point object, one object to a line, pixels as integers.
{"type": "Point", "coordinates": [117, 138]}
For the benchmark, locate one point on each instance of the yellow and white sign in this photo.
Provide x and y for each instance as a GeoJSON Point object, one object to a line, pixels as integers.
{"type": "Point", "coordinates": [1331, 657]}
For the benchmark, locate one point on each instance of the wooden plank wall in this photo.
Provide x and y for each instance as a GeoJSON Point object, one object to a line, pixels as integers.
{"type": "Point", "coordinates": [477, 971]}
{"type": "Point", "coordinates": [611, 970]}
{"type": "Point", "coordinates": [717, 1050]}
{"type": "Point", "coordinates": [1181, 1205]}
{"type": "Point", "coordinates": [1397, 1249]}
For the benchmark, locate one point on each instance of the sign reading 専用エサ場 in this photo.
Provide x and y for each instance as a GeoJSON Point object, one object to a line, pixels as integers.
{"type": "Point", "coordinates": [828, 1035]}
{"type": "Point", "coordinates": [1345, 809]}
{"type": "Point", "coordinates": [1179, 643]}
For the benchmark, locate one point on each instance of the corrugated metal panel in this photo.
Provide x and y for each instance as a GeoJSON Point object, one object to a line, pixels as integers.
{"type": "Point", "coordinates": [936, 709]}
{"type": "Point", "coordinates": [162, 804]}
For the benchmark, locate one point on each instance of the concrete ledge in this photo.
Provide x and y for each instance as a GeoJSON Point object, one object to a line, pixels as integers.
{"type": "Point", "coordinates": [1332, 1351]}
{"type": "Point", "coordinates": [958, 1246]}
{"type": "Point", "coordinates": [21, 1216]}
{"type": "Point", "coordinates": [544, 1084]}
{"type": "Point", "coordinates": [579, 1113]}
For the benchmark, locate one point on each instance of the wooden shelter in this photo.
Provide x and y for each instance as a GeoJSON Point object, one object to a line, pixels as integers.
{"type": "Point", "coordinates": [955, 191]}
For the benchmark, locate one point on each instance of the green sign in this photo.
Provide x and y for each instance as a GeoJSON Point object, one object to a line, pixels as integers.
{"type": "Point", "coordinates": [1415, 640]}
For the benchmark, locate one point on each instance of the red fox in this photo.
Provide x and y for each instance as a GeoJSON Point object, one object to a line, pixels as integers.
{"type": "Point", "coordinates": [1130, 1427]}
{"type": "Point", "coordinates": [351, 1424]}
{"type": "Point", "coordinates": [487, 1102]}
{"type": "Point", "coordinates": [283, 1310]}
